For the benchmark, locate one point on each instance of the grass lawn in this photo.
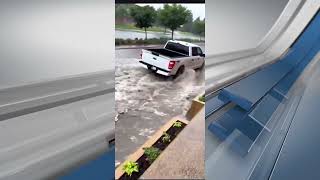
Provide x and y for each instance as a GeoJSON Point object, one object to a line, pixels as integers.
{"type": "Point", "coordinates": [131, 27]}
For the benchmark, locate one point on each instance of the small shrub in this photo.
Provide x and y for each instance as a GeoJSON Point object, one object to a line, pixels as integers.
{"type": "Point", "coordinates": [137, 41]}
{"type": "Point", "coordinates": [166, 138]}
{"type": "Point", "coordinates": [152, 153]}
{"type": "Point", "coordinates": [130, 167]}
{"type": "Point", "coordinates": [202, 98]}
{"type": "Point", "coordinates": [177, 124]}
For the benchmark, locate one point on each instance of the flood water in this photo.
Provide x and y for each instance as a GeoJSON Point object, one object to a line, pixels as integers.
{"type": "Point", "coordinates": [145, 101]}
{"type": "Point", "coordinates": [141, 35]}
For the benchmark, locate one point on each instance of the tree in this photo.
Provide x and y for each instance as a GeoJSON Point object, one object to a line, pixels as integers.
{"type": "Point", "coordinates": [188, 26]}
{"type": "Point", "coordinates": [121, 11]}
{"type": "Point", "coordinates": [199, 27]}
{"type": "Point", "coordinates": [162, 17]}
{"type": "Point", "coordinates": [174, 16]}
{"type": "Point", "coordinates": [122, 15]}
{"type": "Point", "coordinates": [144, 17]}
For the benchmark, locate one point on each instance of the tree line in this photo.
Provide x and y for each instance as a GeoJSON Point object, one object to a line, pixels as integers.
{"type": "Point", "coordinates": [170, 17]}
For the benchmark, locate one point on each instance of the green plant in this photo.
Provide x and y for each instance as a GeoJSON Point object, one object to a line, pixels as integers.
{"type": "Point", "coordinates": [136, 41]}
{"type": "Point", "coordinates": [177, 124]}
{"type": "Point", "coordinates": [130, 167]}
{"type": "Point", "coordinates": [152, 153]}
{"type": "Point", "coordinates": [202, 98]}
{"type": "Point", "coordinates": [166, 137]}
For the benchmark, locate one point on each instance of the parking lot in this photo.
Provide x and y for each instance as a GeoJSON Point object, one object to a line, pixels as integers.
{"type": "Point", "coordinates": [145, 100]}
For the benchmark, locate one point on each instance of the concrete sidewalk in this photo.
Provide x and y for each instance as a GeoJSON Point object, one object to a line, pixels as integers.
{"type": "Point", "coordinates": [184, 157]}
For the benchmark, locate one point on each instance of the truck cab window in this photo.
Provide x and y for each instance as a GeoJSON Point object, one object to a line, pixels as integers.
{"type": "Point", "coordinates": [178, 48]}
{"type": "Point", "coordinates": [195, 51]}
{"type": "Point", "coordinates": [199, 51]}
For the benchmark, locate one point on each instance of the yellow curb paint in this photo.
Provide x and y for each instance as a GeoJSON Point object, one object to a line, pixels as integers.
{"type": "Point", "coordinates": [196, 106]}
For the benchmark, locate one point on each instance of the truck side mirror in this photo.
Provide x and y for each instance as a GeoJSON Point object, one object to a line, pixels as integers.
{"type": "Point", "coordinates": [202, 55]}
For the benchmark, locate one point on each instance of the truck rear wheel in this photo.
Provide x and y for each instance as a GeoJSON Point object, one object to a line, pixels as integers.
{"type": "Point", "coordinates": [180, 71]}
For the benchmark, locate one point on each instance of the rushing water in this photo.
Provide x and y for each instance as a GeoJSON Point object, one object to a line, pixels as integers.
{"type": "Point", "coordinates": [135, 34]}
{"type": "Point", "coordinates": [145, 101]}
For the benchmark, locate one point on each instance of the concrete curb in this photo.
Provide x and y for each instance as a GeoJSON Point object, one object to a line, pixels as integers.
{"type": "Point", "coordinates": [196, 106]}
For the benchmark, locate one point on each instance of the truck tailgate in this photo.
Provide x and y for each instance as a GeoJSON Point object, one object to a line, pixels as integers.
{"type": "Point", "coordinates": [154, 59]}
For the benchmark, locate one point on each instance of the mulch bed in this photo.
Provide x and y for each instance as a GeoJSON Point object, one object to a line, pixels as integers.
{"type": "Point", "coordinates": [143, 162]}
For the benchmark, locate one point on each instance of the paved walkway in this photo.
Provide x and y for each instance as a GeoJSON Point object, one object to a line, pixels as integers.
{"type": "Point", "coordinates": [184, 157]}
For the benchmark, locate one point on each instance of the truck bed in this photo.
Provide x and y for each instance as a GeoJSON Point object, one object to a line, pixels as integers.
{"type": "Point", "coordinates": [167, 53]}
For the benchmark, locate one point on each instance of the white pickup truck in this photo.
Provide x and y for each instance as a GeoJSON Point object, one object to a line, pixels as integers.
{"type": "Point", "coordinates": [173, 59]}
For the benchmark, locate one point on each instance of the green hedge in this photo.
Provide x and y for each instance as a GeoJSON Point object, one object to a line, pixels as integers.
{"type": "Point", "coordinates": [120, 42]}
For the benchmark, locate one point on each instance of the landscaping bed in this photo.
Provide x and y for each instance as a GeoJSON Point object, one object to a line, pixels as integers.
{"type": "Point", "coordinates": [133, 170]}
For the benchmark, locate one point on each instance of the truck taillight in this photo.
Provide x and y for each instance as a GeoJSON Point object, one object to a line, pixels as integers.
{"type": "Point", "coordinates": [171, 64]}
{"type": "Point", "coordinates": [141, 55]}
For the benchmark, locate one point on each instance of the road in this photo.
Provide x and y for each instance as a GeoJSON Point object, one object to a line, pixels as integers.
{"type": "Point", "coordinates": [145, 101]}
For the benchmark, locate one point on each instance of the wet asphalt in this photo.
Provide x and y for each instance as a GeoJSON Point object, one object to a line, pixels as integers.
{"type": "Point", "coordinates": [145, 101]}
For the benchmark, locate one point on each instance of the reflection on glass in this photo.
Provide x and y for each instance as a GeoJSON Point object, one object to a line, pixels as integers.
{"type": "Point", "coordinates": [49, 40]}
{"type": "Point", "coordinates": [239, 25]}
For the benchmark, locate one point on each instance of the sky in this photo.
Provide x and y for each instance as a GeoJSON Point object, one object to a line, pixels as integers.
{"type": "Point", "coordinates": [198, 10]}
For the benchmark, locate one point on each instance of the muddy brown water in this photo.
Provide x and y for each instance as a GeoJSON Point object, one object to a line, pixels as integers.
{"type": "Point", "coordinates": [145, 101]}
